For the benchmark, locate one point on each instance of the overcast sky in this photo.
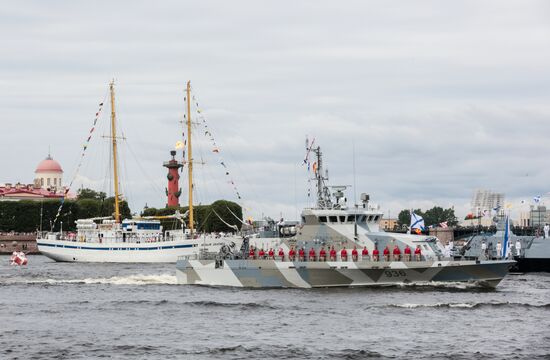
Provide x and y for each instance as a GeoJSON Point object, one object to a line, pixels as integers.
{"type": "Point", "coordinates": [437, 98]}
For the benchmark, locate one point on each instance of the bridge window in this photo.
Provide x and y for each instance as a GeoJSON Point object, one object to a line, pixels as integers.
{"type": "Point", "coordinates": [376, 218]}
{"type": "Point", "coordinates": [363, 218]}
{"type": "Point", "coordinates": [351, 218]}
{"type": "Point", "coordinates": [342, 219]}
{"type": "Point", "coordinates": [322, 219]}
{"type": "Point", "coordinates": [369, 218]}
{"type": "Point", "coordinates": [333, 219]}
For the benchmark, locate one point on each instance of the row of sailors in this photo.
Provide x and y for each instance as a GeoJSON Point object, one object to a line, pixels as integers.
{"type": "Point", "coordinates": [322, 256]}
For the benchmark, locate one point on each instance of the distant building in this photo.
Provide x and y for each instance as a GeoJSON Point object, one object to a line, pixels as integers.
{"type": "Point", "coordinates": [525, 219]}
{"type": "Point", "coordinates": [482, 207]}
{"type": "Point", "coordinates": [49, 174]}
{"type": "Point", "coordinates": [47, 184]}
{"type": "Point", "coordinates": [539, 215]}
{"type": "Point", "coordinates": [388, 224]}
{"type": "Point", "coordinates": [486, 200]}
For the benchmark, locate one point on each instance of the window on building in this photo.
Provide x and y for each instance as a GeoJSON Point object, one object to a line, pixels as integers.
{"type": "Point", "coordinates": [55, 181]}
{"type": "Point", "coordinates": [49, 181]}
{"type": "Point", "coordinates": [42, 182]}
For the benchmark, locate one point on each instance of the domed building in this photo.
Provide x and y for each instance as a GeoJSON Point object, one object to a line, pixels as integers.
{"type": "Point", "coordinates": [48, 184]}
{"type": "Point", "coordinates": [49, 174]}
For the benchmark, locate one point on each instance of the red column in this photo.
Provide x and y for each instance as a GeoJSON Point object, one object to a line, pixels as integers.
{"type": "Point", "coordinates": [173, 191]}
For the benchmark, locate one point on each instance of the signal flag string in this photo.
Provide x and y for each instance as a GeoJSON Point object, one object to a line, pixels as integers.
{"type": "Point", "coordinates": [81, 159]}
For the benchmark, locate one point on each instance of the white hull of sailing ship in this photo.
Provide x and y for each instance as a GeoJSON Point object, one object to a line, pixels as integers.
{"type": "Point", "coordinates": [132, 241]}
{"type": "Point", "coordinates": [152, 252]}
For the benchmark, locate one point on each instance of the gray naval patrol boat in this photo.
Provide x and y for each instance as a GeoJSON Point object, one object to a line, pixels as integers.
{"type": "Point", "coordinates": [335, 246]}
{"type": "Point", "coordinates": [531, 253]}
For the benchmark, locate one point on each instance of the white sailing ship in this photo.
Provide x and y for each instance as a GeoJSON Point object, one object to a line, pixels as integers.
{"type": "Point", "coordinates": [136, 240]}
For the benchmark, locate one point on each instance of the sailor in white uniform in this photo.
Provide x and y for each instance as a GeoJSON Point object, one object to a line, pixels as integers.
{"type": "Point", "coordinates": [499, 250]}
{"type": "Point", "coordinates": [518, 247]}
{"type": "Point", "coordinates": [546, 230]}
{"type": "Point", "coordinates": [484, 249]}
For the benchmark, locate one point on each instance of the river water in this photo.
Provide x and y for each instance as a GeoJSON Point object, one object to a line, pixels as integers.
{"type": "Point", "coordinates": [121, 311]}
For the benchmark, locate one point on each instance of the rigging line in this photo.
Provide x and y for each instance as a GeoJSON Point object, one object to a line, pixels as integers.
{"type": "Point", "coordinates": [82, 154]}
{"type": "Point", "coordinates": [219, 157]}
{"type": "Point", "coordinates": [232, 213]}
{"type": "Point", "coordinates": [127, 186]}
{"type": "Point", "coordinates": [155, 185]}
{"type": "Point", "coordinates": [226, 223]}
{"type": "Point", "coordinates": [201, 226]}
{"type": "Point", "coordinates": [203, 123]}
{"type": "Point", "coordinates": [206, 171]}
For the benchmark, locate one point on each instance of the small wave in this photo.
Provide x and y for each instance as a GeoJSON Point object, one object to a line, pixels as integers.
{"type": "Point", "coordinates": [469, 305]}
{"type": "Point", "coordinates": [249, 305]}
{"type": "Point", "coordinates": [140, 302]}
{"type": "Point", "coordinates": [138, 279]}
{"type": "Point", "coordinates": [284, 352]}
{"type": "Point", "coordinates": [445, 285]}
{"type": "Point", "coordinates": [355, 354]}
{"type": "Point", "coordinates": [251, 352]}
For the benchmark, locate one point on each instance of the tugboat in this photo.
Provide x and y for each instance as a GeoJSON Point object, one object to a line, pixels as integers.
{"type": "Point", "coordinates": [335, 246]}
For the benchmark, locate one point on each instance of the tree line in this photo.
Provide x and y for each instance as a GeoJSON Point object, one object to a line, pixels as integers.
{"type": "Point", "coordinates": [30, 215]}
{"type": "Point", "coordinates": [433, 216]}
{"type": "Point", "coordinates": [220, 216]}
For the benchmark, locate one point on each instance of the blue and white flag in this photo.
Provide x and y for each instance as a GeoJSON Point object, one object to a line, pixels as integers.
{"type": "Point", "coordinates": [506, 237]}
{"type": "Point", "coordinates": [417, 222]}
{"type": "Point", "coordinates": [497, 208]}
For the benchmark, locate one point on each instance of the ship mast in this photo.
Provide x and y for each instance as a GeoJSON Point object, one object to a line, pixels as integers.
{"type": "Point", "coordinates": [190, 158]}
{"type": "Point", "coordinates": [113, 137]}
{"type": "Point", "coordinates": [323, 195]}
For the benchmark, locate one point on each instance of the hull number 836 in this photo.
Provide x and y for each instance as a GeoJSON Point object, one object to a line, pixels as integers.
{"type": "Point", "coordinates": [395, 273]}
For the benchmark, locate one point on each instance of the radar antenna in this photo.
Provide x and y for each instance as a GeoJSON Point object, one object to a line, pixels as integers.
{"type": "Point", "coordinates": [323, 193]}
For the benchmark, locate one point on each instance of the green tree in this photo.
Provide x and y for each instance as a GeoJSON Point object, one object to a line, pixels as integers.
{"type": "Point", "coordinates": [86, 193]}
{"type": "Point", "coordinates": [404, 217]}
{"type": "Point", "coordinates": [88, 208]}
{"type": "Point", "coordinates": [433, 216]}
{"type": "Point", "coordinates": [108, 208]}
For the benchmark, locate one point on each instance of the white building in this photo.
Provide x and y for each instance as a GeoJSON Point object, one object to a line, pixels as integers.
{"type": "Point", "coordinates": [49, 174]}
{"type": "Point", "coordinates": [486, 200]}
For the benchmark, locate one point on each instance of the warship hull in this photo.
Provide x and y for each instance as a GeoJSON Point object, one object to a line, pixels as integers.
{"type": "Point", "coordinates": [532, 264]}
{"type": "Point", "coordinates": [277, 274]}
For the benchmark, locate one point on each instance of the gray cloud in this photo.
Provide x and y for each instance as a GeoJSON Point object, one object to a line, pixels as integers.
{"type": "Point", "coordinates": [438, 99]}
